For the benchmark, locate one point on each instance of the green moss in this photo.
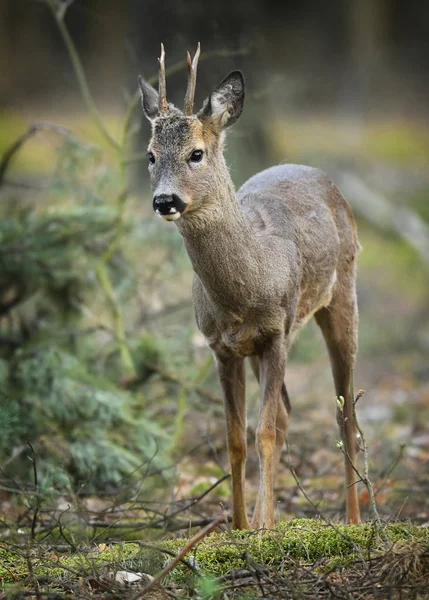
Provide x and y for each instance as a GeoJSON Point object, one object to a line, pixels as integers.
{"type": "Point", "coordinates": [302, 539]}
{"type": "Point", "coordinates": [305, 540]}
{"type": "Point", "coordinates": [14, 564]}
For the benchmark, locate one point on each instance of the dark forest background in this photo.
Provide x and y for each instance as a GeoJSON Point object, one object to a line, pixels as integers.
{"type": "Point", "coordinates": [348, 55]}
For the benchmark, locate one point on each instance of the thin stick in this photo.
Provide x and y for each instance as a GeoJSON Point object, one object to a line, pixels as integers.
{"type": "Point", "coordinates": [366, 480]}
{"type": "Point", "coordinates": [80, 73]}
{"type": "Point", "coordinates": [168, 376]}
{"type": "Point", "coordinates": [322, 516]}
{"type": "Point", "coordinates": [195, 500]}
{"type": "Point", "coordinates": [36, 485]}
{"type": "Point", "coordinates": [172, 526]}
{"type": "Point", "coordinates": [185, 562]}
{"type": "Point", "coordinates": [194, 540]}
{"type": "Point", "coordinates": [20, 141]}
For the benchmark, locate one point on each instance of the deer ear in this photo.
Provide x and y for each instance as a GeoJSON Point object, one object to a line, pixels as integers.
{"type": "Point", "coordinates": [149, 99]}
{"type": "Point", "coordinates": [225, 103]}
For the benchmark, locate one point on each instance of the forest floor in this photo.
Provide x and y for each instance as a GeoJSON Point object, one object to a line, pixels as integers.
{"type": "Point", "coordinates": [113, 546]}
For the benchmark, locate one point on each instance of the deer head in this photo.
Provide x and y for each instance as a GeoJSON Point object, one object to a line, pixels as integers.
{"type": "Point", "coordinates": [186, 162]}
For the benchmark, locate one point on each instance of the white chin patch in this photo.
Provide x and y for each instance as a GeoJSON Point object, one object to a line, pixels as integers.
{"type": "Point", "coordinates": [171, 217]}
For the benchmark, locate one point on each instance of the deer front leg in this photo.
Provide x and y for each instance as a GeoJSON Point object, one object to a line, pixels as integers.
{"type": "Point", "coordinates": [272, 366]}
{"type": "Point", "coordinates": [232, 378]}
{"type": "Point", "coordinates": [282, 419]}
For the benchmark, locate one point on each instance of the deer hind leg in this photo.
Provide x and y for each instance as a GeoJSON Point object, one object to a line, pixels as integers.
{"type": "Point", "coordinates": [338, 323]}
{"type": "Point", "coordinates": [232, 378]}
{"type": "Point", "coordinates": [282, 418]}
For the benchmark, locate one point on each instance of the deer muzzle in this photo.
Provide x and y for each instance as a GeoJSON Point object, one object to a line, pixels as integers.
{"type": "Point", "coordinates": [168, 206]}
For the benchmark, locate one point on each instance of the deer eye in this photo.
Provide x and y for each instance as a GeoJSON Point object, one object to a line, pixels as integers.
{"type": "Point", "coordinates": [196, 156]}
{"type": "Point", "coordinates": [151, 158]}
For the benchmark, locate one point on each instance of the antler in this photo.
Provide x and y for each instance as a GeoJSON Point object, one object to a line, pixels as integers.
{"type": "Point", "coordinates": [192, 80]}
{"type": "Point", "coordinates": [162, 87]}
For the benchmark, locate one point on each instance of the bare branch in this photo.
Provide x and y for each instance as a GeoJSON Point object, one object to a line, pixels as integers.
{"type": "Point", "coordinates": [19, 142]}
{"type": "Point", "coordinates": [320, 514]}
{"type": "Point", "coordinates": [194, 540]}
{"type": "Point", "coordinates": [376, 209]}
{"type": "Point", "coordinates": [62, 7]}
{"type": "Point", "coordinates": [168, 376]}
{"type": "Point", "coordinates": [365, 477]}
{"type": "Point", "coordinates": [36, 487]}
{"type": "Point", "coordinates": [79, 71]}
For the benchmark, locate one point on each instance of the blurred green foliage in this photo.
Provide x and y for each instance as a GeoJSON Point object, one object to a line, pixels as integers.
{"type": "Point", "coordinates": [57, 336]}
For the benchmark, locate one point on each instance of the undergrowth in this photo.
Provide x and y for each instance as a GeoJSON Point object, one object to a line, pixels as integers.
{"type": "Point", "coordinates": [303, 545]}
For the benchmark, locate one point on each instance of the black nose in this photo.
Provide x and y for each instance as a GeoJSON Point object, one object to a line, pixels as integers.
{"type": "Point", "coordinates": [168, 204]}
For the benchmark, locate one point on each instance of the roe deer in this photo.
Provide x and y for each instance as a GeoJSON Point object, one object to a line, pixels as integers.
{"type": "Point", "coordinates": [265, 260]}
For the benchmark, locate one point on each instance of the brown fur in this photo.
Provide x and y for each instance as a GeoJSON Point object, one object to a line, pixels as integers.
{"type": "Point", "coordinates": [265, 259]}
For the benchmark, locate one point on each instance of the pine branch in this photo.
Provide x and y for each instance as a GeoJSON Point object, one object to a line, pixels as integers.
{"type": "Point", "coordinates": [119, 328]}
{"type": "Point", "coordinates": [59, 11]}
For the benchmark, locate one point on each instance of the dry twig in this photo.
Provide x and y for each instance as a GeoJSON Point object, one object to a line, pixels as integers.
{"type": "Point", "coordinates": [194, 540]}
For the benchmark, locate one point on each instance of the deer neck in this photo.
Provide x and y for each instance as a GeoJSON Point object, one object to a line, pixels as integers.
{"type": "Point", "coordinates": [224, 251]}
